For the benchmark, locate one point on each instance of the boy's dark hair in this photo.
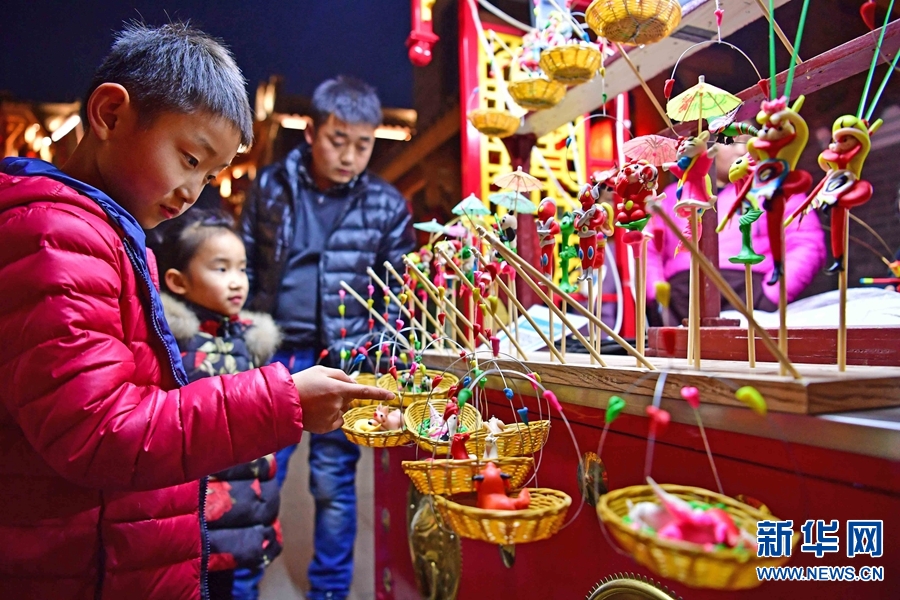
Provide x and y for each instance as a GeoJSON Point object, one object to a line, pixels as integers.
{"type": "Point", "coordinates": [348, 99]}
{"type": "Point", "coordinates": [176, 242]}
{"type": "Point", "coordinates": [176, 68]}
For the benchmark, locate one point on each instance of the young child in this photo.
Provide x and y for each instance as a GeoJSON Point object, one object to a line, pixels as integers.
{"type": "Point", "coordinates": [202, 265]}
{"type": "Point", "coordinates": [104, 446]}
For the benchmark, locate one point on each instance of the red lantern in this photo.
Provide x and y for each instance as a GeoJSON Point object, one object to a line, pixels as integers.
{"type": "Point", "coordinates": [422, 38]}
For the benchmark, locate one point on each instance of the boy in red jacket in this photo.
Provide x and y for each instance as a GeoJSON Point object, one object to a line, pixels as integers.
{"type": "Point", "coordinates": [104, 447]}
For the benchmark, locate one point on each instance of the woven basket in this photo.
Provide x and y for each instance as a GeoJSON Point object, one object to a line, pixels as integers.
{"type": "Point", "coordinates": [370, 379]}
{"type": "Point", "coordinates": [519, 439]}
{"type": "Point", "coordinates": [404, 398]}
{"type": "Point", "coordinates": [571, 64]}
{"type": "Point", "coordinates": [690, 564]}
{"type": "Point", "coordinates": [375, 439]}
{"type": "Point", "coordinates": [537, 93]}
{"type": "Point", "coordinates": [446, 477]}
{"type": "Point", "coordinates": [416, 413]}
{"type": "Point", "coordinates": [633, 21]}
{"type": "Point", "coordinates": [539, 521]}
{"type": "Point", "coordinates": [494, 122]}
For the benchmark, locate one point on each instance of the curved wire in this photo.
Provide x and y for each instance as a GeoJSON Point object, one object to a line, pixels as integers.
{"type": "Point", "coordinates": [708, 42]}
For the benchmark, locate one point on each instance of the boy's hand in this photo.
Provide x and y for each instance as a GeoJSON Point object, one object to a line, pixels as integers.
{"type": "Point", "coordinates": [325, 393]}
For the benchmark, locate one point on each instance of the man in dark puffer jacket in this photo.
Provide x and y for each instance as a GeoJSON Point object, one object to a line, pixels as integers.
{"type": "Point", "coordinates": [310, 221]}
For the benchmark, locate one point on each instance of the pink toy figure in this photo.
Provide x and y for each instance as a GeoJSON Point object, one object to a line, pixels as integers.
{"type": "Point", "coordinates": [594, 222]}
{"type": "Point", "coordinates": [547, 230]}
{"type": "Point", "coordinates": [705, 527]}
{"type": "Point", "coordinates": [390, 420]}
{"type": "Point", "coordinates": [492, 486]}
{"type": "Point", "coordinates": [694, 185]}
{"type": "Point", "coordinates": [449, 423]}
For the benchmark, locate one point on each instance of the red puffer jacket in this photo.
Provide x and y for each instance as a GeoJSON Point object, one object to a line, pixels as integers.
{"type": "Point", "coordinates": [100, 451]}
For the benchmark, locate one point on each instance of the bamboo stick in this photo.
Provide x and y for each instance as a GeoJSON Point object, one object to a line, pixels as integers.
{"type": "Point", "coordinates": [434, 296]}
{"type": "Point", "coordinates": [726, 290]}
{"type": "Point", "coordinates": [646, 87]}
{"type": "Point", "coordinates": [787, 44]}
{"type": "Point", "coordinates": [538, 276]}
{"type": "Point", "coordinates": [842, 306]}
{"type": "Point", "coordinates": [419, 303]}
{"type": "Point", "coordinates": [562, 341]}
{"type": "Point", "coordinates": [524, 311]}
{"type": "Point", "coordinates": [782, 308]}
{"type": "Point", "coordinates": [694, 321]}
{"type": "Point", "coordinates": [591, 330]}
{"type": "Point", "coordinates": [471, 286]}
{"type": "Point", "coordinates": [374, 313]}
{"type": "Point", "coordinates": [751, 336]}
{"type": "Point", "coordinates": [641, 263]}
{"type": "Point", "coordinates": [432, 293]}
{"type": "Point", "coordinates": [413, 321]}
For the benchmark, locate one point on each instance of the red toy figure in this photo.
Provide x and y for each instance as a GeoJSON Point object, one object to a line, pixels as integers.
{"type": "Point", "coordinates": [594, 222]}
{"type": "Point", "coordinates": [458, 447]}
{"type": "Point", "coordinates": [635, 184]}
{"type": "Point", "coordinates": [492, 487]}
{"type": "Point", "coordinates": [842, 188]}
{"type": "Point", "coordinates": [777, 148]}
{"type": "Point", "coordinates": [547, 230]}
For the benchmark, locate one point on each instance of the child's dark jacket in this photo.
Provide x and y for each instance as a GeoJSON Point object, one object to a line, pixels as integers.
{"type": "Point", "coordinates": [242, 502]}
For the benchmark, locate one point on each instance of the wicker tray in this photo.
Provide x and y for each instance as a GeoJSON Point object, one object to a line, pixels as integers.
{"type": "Point", "coordinates": [404, 399]}
{"type": "Point", "coordinates": [541, 520]}
{"type": "Point", "coordinates": [633, 21]}
{"type": "Point", "coordinates": [494, 122]}
{"type": "Point", "coordinates": [375, 439]}
{"type": "Point", "coordinates": [690, 564]}
{"type": "Point", "coordinates": [416, 413]}
{"type": "Point", "coordinates": [537, 93]}
{"type": "Point", "coordinates": [446, 477]}
{"type": "Point", "coordinates": [572, 64]}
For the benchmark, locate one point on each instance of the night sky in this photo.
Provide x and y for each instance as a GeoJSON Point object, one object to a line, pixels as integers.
{"type": "Point", "coordinates": [49, 49]}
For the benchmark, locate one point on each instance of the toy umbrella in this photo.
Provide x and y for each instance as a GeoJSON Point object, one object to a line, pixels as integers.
{"type": "Point", "coordinates": [513, 201]}
{"type": "Point", "coordinates": [655, 149]}
{"type": "Point", "coordinates": [471, 205]}
{"type": "Point", "coordinates": [519, 181]}
{"type": "Point", "coordinates": [431, 226]}
{"type": "Point", "coordinates": [701, 101]}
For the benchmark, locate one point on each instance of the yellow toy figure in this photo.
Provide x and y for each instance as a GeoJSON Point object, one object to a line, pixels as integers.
{"type": "Point", "coordinates": [776, 149]}
{"type": "Point", "coordinates": [842, 189]}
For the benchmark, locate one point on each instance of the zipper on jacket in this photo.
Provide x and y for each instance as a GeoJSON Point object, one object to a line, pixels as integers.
{"type": "Point", "coordinates": [204, 542]}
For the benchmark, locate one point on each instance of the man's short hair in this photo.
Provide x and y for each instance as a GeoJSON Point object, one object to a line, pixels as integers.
{"type": "Point", "coordinates": [176, 68]}
{"type": "Point", "coordinates": [349, 99]}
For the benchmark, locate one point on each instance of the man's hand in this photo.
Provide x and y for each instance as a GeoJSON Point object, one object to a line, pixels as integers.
{"type": "Point", "coordinates": [325, 393]}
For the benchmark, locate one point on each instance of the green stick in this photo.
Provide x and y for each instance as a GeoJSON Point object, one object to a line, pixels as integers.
{"type": "Point", "coordinates": [800, 28]}
{"type": "Point", "coordinates": [865, 94]}
{"type": "Point", "coordinates": [773, 85]}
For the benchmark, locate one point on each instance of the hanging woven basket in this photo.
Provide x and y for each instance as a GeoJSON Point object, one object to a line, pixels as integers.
{"type": "Point", "coordinates": [494, 122]}
{"type": "Point", "coordinates": [518, 439]}
{"type": "Point", "coordinates": [723, 569]}
{"type": "Point", "coordinates": [633, 22]}
{"type": "Point", "coordinates": [404, 398]}
{"type": "Point", "coordinates": [543, 518]}
{"type": "Point", "coordinates": [373, 439]}
{"type": "Point", "coordinates": [571, 64]}
{"type": "Point", "coordinates": [537, 93]}
{"type": "Point", "coordinates": [446, 477]}
{"type": "Point", "coordinates": [416, 413]}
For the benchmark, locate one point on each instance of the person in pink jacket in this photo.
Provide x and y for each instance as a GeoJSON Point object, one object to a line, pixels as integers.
{"type": "Point", "coordinates": [805, 251]}
{"type": "Point", "coordinates": [105, 448]}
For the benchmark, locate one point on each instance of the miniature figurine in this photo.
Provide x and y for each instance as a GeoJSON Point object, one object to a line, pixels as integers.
{"type": "Point", "coordinates": [508, 224]}
{"type": "Point", "coordinates": [842, 188]}
{"type": "Point", "coordinates": [635, 184]}
{"type": "Point", "coordinates": [594, 223]}
{"type": "Point", "coordinates": [490, 447]}
{"type": "Point", "coordinates": [694, 185]}
{"type": "Point", "coordinates": [458, 447]}
{"type": "Point", "coordinates": [547, 230]}
{"type": "Point", "coordinates": [567, 252]}
{"type": "Point", "coordinates": [492, 486]}
{"type": "Point", "coordinates": [390, 420]}
{"type": "Point", "coordinates": [741, 172]}
{"type": "Point", "coordinates": [777, 148]}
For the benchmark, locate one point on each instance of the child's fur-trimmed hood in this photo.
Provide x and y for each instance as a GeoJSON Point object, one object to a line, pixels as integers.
{"type": "Point", "coordinates": [262, 339]}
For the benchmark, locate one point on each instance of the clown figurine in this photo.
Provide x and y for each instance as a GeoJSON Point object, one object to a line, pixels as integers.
{"type": "Point", "coordinates": [547, 230]}
{"type": "Point", "coordinates": [635, 184]}
{"type": "Point", "coordinates": [842, 188]}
